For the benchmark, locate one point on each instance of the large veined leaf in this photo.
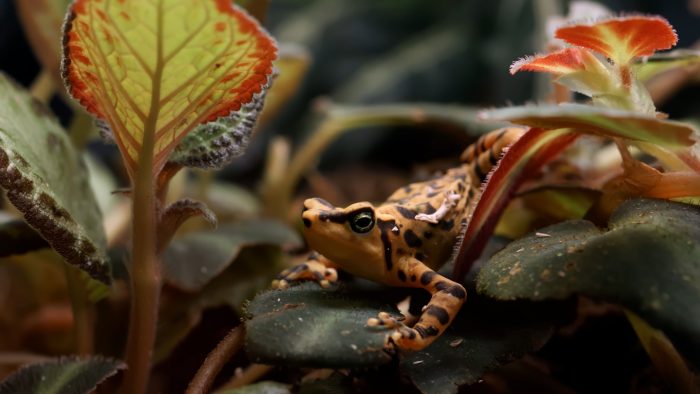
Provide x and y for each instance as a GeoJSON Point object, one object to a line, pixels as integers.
{"type": "Point", "coordinates": [648, 260]}
{"type": "Point", "coordinates": [66, 375]}
{"type": "Point", "coordinates": [156, 69]}
{"type": "Point", "coordinates": [597, 120]}
{"type": "Point", "coordinates": [46, 179]}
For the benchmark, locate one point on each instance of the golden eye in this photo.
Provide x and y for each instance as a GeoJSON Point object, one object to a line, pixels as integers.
{"type": "Point", "coordinates": [362, 222]}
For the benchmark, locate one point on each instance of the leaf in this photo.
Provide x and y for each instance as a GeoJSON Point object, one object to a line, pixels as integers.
{"type": "Point", "coordinates": [264, 387]}
{"type": "Point", "coordinates": [251, 272]}
{"type": "Point", "coordinates": [647, 68]}
{"type": "Point", "coordinates": [195, 259]}
{"type": "Point", "coordinates": [596, 120]}
{"type": "Point", "coordinates": [65, 375]}
{"type": "Point", "coordinates": [308, 326]}
{"type": "Point", "coordinates": [486, 335]}
{"type": "Point", "coordinates": [46, 179]}
{"type": "Point", "coordinates": [178, 213]}
{"type": "Point", "coordinates": [215, 144]}
{"type": "Point", "coordinates": [154, 70]}
{"type": "Point", "coordinates": [17, 237]}
{"type": "Point", "coordinates": [621, 38]}
{"type": "Point", "coordinates": [577, 69]}
{"type": "Point", "coordinates": [648, 260]}
{"type": "Point", "coordinates": [521, 160]}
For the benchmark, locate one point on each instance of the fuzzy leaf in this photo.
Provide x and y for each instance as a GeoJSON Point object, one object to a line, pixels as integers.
{"type": "Point", "coordinates": [154, 70]}
{"type": "Point", "coordinates": [309, 326]}
{"type": "Point", "coordinates": [178, 213]}
{"type": "Point", "coordinates": [622, 38]}
{"type": "Point", "coordinates": [215, 144]}
{"type": "Point", "coordinates": [66, 375]}
{"type": "Point", "coordinates": [648, 68]}
{"type": "Point", "coordinates": [596, 120]}
{"type": "Point", "coordinates": [196, 258]}
{"type": "Point", "coordinates": [578, 69]}
{"type": "Point", "coordinates": [648, 260]}
{"type": "Point", "coordinates": [535, 148]}
{"type": "Point", "coordinates": [46, 179]}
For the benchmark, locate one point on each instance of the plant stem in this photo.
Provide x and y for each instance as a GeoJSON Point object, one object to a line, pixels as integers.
{"type": "Point", "coordinates": [83, 317]}
{"type": "Point", "coordinates": [249, 375]}
{"type": "Point", "coordinates": [145, 267]}
{"type": "Point", "coordinates": [42, 87]}
{"type": "Point", "coordinates": [216, 360]}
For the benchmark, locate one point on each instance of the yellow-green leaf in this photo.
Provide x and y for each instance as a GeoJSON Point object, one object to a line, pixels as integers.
{"type": "Point", "coordinates": [155, 69]}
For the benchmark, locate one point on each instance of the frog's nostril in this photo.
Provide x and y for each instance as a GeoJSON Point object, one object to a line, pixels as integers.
{"type": "Point", "coordinates": [307, 222]}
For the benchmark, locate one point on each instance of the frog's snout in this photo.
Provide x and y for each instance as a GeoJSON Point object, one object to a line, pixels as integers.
{"type": "Point", "coordinates": [311, 209]}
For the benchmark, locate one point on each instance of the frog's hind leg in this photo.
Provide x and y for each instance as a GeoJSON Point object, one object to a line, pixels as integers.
{"type": "Point", "coordinates": [447, 298]}
{"type": "Point", "coordinates": [316, 268]}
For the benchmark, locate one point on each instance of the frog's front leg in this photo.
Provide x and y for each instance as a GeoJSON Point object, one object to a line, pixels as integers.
{"type": "Point", "coordinates": [447, 298]}
{"type": "Point", "coordinates": [316, 268]}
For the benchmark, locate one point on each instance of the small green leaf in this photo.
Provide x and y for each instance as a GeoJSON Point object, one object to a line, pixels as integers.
{"type": "Point", "coordinates": [265, 387]}
{"type": "Point", "coordinates": [646, 69]}
{"type": "Point", "coordinates": [66, 375]}
{"type": "Point", "coordinates": [46, 179]}
{"type": "Point", "coordinates": [598, 120]}
{"type": "Point", "coordinates": [648, 261]}
{"type": "Point", "coordinates": [195, 259]}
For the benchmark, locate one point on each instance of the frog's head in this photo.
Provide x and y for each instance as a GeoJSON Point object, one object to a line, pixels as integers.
{"type": "Point", "coordinates": [348, 236]}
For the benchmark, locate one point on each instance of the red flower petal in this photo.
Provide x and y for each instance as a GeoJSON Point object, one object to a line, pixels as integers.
{"type": "Point", "coordinates": [622, 38]}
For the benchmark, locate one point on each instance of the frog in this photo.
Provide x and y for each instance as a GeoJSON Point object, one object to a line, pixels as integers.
{"type": "Point", "coordinates": [403, 241]}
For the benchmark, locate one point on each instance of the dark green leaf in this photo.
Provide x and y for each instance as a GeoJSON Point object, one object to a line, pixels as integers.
{"type": "Point", "coordinates": [648, 260]}
{"type": "Point", "coordinates": [66, 375]}
{"type": "Point", "coordinates": [485, 335]}
{"type": "Point", "coordinates": [309, 326]}
{"type": "Point", "coordinates": [46, 179]}
{"type": "Point", "coordinates": [195, 259]}
{"type": "Point", "coordinates": [312, 327]}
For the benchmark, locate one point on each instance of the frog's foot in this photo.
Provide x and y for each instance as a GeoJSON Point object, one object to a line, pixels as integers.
{"type": "Point", "coordinates": [384, 319]}
{"type": "Point", "coordinates": [310, 270]}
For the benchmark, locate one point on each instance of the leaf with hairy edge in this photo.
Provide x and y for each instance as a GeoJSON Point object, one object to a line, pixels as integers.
{"type": "Point", "coordinates": [215, 144]}
{"type": "Point", "coordinates": [46, 179]}
{"type": "Point", "coordinates": [621, 38]}
{"type": "Point", "coordinates": [535, 148]}
{"type": "Point", "coordinates": [648, 260]}
{"type": "Point", "coordinates": [66, 375]}
{"type": "Point", "coordinates": [648, 68]}
{"type": "Point", "coordinates": [584, 72]}
{"type": "Point", "coordinates": [154, 70]}
{"type": "Point", "coordinates": [596, 120]}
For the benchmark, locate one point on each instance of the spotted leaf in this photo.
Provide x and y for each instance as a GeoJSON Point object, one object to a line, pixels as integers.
{"type": "Point", "coordinates": [46, 179]}
{"type": "Point", "coordinates": [156, 69]}
{"type": "Point", "coordinates": [622, 38]}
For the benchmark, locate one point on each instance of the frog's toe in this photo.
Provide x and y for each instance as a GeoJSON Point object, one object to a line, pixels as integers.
{"type": "Point", "coordinates": [384, 319]}
{"type": "Point", "coordinates": [311, 270]}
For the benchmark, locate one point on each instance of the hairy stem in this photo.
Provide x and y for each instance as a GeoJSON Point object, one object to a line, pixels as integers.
{"type": "Point", "coordinates": [229, 346]}
{"type": "Point", "coordinates": [83, 314]}
{"type": "Point", "coordinates": [249, 375]}
{"type": "Point", "coordinates": [146, 267]}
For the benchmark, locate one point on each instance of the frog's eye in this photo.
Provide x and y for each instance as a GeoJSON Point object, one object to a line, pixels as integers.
{"type": "Point", "coordinates": [362, 222]}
